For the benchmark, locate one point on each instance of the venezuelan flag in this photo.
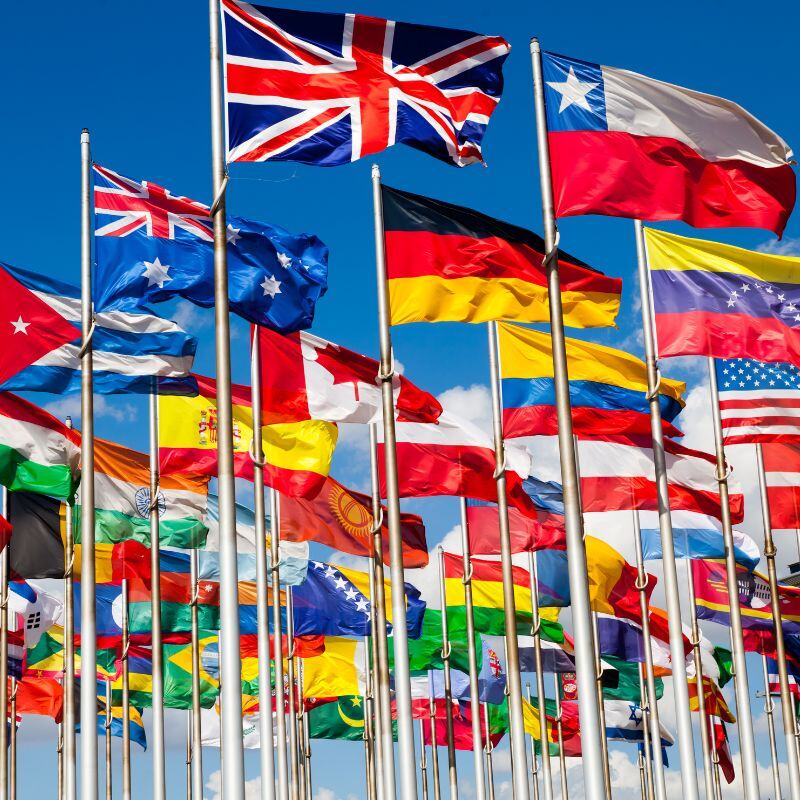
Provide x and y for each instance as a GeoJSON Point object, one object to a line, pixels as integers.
{"type": "Point", "coordinates": [448, 263]}
{"type": "Point", "coordinates": [297, 454]}
{"type": "Point", "coordinates": [607, 388]}
{"type": "Point", "coordinates": [714, 299]}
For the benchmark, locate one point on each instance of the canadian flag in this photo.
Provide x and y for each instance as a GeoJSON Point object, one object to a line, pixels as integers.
{"type": "Point", "coordinates": [305, 377]}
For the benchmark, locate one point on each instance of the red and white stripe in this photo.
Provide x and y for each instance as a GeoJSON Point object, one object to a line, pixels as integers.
{"type": "Point", "coordinates": [782, 471]}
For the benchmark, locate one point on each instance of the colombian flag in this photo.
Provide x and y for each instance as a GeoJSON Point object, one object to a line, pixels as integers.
{"type": "Point", "coordinates": [297, 454]}
{"type": "Point", "coordinates": [448, 263]}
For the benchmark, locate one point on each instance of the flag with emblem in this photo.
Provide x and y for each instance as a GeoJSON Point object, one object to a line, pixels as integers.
{"type": "Point", "coordinates": [664, 151]}
{"type": "Point", "coordinates": [129, 350]}
{"type": "Point", "coordinates": [758, 401]}
{"type": "Point", "coordinates": [327, 89]}
{"type": "Point", "coordinates": [342, 719]}
{"type": "Point", "coordinates": [625, 723]}
{"type": "Point", "coordinates": [151, 246]}
{"type": "Point", "coordinates": [122, 500]}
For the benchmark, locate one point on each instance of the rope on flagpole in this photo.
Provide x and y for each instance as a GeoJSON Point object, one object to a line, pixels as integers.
{"type": "Point", "coordinates": [88, 341]}
{"type": "Point", "coordinates": [220, 196]}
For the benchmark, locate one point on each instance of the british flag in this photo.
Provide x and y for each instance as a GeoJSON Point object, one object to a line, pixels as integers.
{"type": "Point", "coordinates": [327, 89]}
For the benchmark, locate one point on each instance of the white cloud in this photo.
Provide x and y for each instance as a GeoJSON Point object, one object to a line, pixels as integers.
{"type": "Point", "coordinates": [70, 405]}
{"type": "Point", "coordinates": [192, 318]}
{"type": "Point", "coordinates": [473, 403]}
{"type": "Point", "coordinates": [252, 788]}
{"type": "Point", "coordinates": [781, 247]}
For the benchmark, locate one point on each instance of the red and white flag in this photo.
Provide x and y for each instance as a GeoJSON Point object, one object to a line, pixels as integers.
{"type": "Point", "coordinates": [304, 377]}
{"type": "Point", "coordinates": [782, 469]}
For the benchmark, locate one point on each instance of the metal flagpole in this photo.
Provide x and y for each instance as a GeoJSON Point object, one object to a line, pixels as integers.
{"type": "Point", "coordinates": [277, 636]}
{"type": "Point", "coordinates": [294, 751]}
{"type": "Point", "coordinates": [547, 772]}
{"type": "Point", "coordinates": [657, 757]}
{"type": "Point", "coordinates": [369, 742]}
{"type": "Point", "coordinates": [448, 693]}
{"type": "Point", "coordinates": [591, 734]}
{"type": "Point", "coordinates": [423, 759]}
{"type": "Point", "coordinates": [4, 659]}
{"type": "Point", "coordinates": [474, 692]}
{"type": "Point", "coordinates": [12, 771]}
{"type": "Point", "coordinates": [787, 711]}
{"type": "Point", "coordinates": [715, 760]}
{"type": "Point", "coordinates": [307, 756]}
{"type": "Point", "coordinates": [642, 779]}
{"type": "Point", "coordinates": [189, 754]}
{"type": "Point", "coordinates": [60, 757]}
{"type": "Point", "coordinates": [68, 727]}
{"type": "Point", "coordinates": [402, 677]}
{"type": "Point", "coordinates": [267, 749]}
{"type": "Point", "coordinates": [647, 759]}
{"type": "Point", "coordinates": [701, 693]}
{"type": "Point", "coordinates": [747, 746]}
{"type": "Point", "coordinates": [562, 759]}
{"type": "Point", "coordinates": [88, 612]}
{"type": "Point", "coordinates": [197, 729]}
{"type": "Point", "coordinates": [437, 789]}
{"type": "Point", "coordinates": [232, 749]}
{"type": "Point", "coordinates": [109, 718]}
{"type": "Point", "coordinates": [598, 687]}
{"type": "Point", "coordinates": [683, 715]}
{"type": "Point", "coordinates": [489, 748]}
{"type": "Point", "coordinates": [373, 728]}
{"type": "Point", "coordinates": [126, 698]}
{"type": "Point", "coordinates": [534, 761]}
{"type": "Point", "coordinates": [769, 707]}
{"type": "Point", "coordinates": [159, 755]}
{"type": "Point", "coordinates": [384, 735]}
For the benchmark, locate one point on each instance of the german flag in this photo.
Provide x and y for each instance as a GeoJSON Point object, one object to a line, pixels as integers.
{"type": "Point", "coordinates": [449, 263]}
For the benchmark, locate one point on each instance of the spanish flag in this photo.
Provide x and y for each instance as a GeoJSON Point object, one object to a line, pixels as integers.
{"type": "Point", "coordinates": [297, 455]}
{"type": "Point", "coordinates": [448, 263]}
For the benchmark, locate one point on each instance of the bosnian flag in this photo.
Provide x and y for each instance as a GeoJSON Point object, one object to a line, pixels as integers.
{"type": "Point", "coordinates": [625, 145]}
{"type": "Point", "coordinates": [304, 377]}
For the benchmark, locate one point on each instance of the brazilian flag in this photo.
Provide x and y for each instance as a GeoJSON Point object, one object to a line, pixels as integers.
{"type": "Point", "coordinates": [342, 718]}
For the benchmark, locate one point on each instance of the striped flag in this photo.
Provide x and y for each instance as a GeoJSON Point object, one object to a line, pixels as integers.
{"type": "Point", "coordinates": [775, 681]}
{"type": "Point", "coordinates": [782, 470]}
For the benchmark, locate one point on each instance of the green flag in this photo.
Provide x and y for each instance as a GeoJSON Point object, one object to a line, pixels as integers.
{"type": "Point", "coordinates": [342, 718]}
{"type": "Point", "coordinates": [724, 659]}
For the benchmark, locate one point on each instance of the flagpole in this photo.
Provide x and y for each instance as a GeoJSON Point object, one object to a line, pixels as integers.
{"type": "Point", "coordinates": [591, 734]}
{"type": "Point", "coordinates": [769, 708]}
{"type": "Point", "coordinates": [423, 759]}
{"type": "Point", "coordinates": [60, 759]}
{"type": "Point", "coordinates": [646, 704]}
{"type": "Point", "coordinates": [370, 668]}
{"type": "Point", "coordinates": [534, 762]}
{"type": "Point", "coordinates": [277, 636]}
{"type": "Point", "coordinates": [562, 759]}
{"type": "Point", "coordinates": [489, 748]}
{"type": "Point", "coordinates": [770, 551]}
{"type": "Point", "coordinates": [307, 755]}
{"type": "Point", "coordinates": [4, 658]}
{"type": "Point", "coordinates": [266, 749]}
{"type": "Point", "coordinates": [547, 772]}
{"type": "Point", "coordinates": [189, 754]}
{"type": "Point", "coordinates": [683, 717]}
{"type": "Point", "coordinates": [293, 748]}
{"type": "Point", "coordinates": [197, 730]}
{"type": "Point", "coordinates": [126, 698]}
{"type": "Point", "coordinates": [474, 691]}
{"type": "Point", "coordinates": [715, 760]}
{"type": "Point", "coordinates": [384, 736]}
{"type": "Point", "coordinates": [232, 749]}
{"type": "Point", "coordinates": [701, 693]}
{"type": "Point", "coordinates": [519, 761]}
{"type": "Point", "coordinates": [402, 677]}
{"type": "Point", "coordinates": [68, 728]}
{"type": "Point", "coordinates": [109, 717]}
{"type": "Point", "coordinates": [369, 742]}
{"type": "Point", "coordinates": [88, 593]}
{"type": "Point", "coordinates": [12, 772]}
{"type": "Point", "coordinates": [437, 789]}
{"type": "Point", "coordinates": [642, 580]}
{"type": "Point", "coordinates": [598, 666]}
{"type": "Point", "coordinates": [448, 692]}
{"type": "Point", "coordinates": [747, 745]}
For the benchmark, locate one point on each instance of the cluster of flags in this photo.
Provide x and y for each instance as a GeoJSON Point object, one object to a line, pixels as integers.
{"type": "Point", "coordinates": [348, 653]}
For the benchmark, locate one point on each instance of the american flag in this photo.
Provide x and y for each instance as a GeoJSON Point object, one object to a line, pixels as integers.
{"type": "Point", "coordinates": [759, 402]}
{"type": "Point", "coordinates": [327, 89]}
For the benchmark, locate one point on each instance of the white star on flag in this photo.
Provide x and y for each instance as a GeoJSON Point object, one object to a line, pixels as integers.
{"type": "Point", "coordinates": [233, 234]}
{"type": "Point", "coordinates": [573, 91]}
{"type": "Point", "coordinates": [284, 260]}
{"type": "Point", "coordinates": [19, 326]}
{"type": "Point", "coordinates": [270, 286]}
{"type": "Point", "coordinates": [362, 604]}
{"type": "Point", "coordinates": [156, 273]}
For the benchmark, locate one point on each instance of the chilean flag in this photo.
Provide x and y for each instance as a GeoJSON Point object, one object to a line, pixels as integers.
{"type": "Point", "coordinates": [625, 145]}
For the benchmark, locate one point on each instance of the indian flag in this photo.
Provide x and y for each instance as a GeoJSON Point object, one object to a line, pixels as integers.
{"type": "Point", "coordinates": [122, 500]}
{"type": "Point", "coordinates": [38, 453]}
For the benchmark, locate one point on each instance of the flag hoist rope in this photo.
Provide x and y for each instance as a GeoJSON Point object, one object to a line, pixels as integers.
{"type": "Point", "coordinates": [591, 734]}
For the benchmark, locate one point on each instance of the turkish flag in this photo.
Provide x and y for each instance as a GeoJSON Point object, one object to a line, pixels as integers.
{"type": "Point", "coordinates": [29, 328]}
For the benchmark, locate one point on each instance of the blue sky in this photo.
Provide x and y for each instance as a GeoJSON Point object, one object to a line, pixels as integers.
{"type": "Point", "coordinates": [137, 76]}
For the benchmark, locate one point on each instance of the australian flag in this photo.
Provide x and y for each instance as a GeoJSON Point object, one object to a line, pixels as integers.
{"type": "Point", "coordinates": [152, 246]}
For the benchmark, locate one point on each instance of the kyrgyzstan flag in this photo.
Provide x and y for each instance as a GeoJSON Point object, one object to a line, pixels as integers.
{"type": "Point", "coordinates": [304, 377]}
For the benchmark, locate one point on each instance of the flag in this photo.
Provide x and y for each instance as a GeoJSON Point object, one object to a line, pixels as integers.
{"type": "Point", "coordinates": [719, 736]}
{"type": "Point", "coordinates": [695, 536]}
{"type": "Point", "coordinates": [557, 656]}
{"type": "Point", "coordinates": [45, 659]}
{"type": "Point", "coordinates": [628, 680]}
{"type": "Point", "coordinates": [625, 723]}
{"type": "Point", "coordinates": [327, 89]}
{"type": "Point", "coordinates": [342, 519]}
{"type": "Point", "coordinates": [543, 530]}
{"type": "Point", "coordinates": [40, 696]}
{"type": "Point", "coordinates": [151, 246]}
{"type": "Point", "coordinates": [665, 152]}
{"type": "Point", "coordinates": [758, 402]}
{"type": "Point", "coordinates": [782, 472]}
{"type": "Point", "coordinates": [620, 638]}
{"type": "Point", "coordinates": [32, 611]}
{"type": "Point", "coordinates": [117, 724]}
{"type": "Point", "coordinates": [715, 704]}
{"type": "Point", "coordinates": [570, 731]}
{"type": "Point", "coordinates": [435, 730]}
{"type": "Point", "coordinates": [713, 299]}
{"type": "Point", "coordinates": [38, 552]}
{"type": "Point", "coordinates": [38, 453]}
{"type": "Point", "coordinates": [448, 263]}
{"type": "Point", "coordinates": [122, 500]}
{"type": "Point", "coordinates": [775, 681]}
{"type": "Point", "coordinates": [304, 377]}
{"type": "Point", "coordinates": [339, 671]}
{"type": "Point", "coordinates": [297, 455]}
{"type": "Point", "coordinates": [251, 733]}
{"type": "Point", "coordinates": [711, 597]}
{"type": "Point", "coordinates": [724, 661]}
{"type": "Point", "coordinates": [128, 350]}
{"type": "Point", "coordinates": [608, 388]}
{"type": "Point", "coordinates": [342, 719]}
{"type": "Point", "coordinates": [454, 457]}
{"type": "Point", "coordinates": [425, 652]}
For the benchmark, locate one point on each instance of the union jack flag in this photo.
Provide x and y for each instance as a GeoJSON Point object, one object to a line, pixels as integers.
{"type": "Point", "coordinates": [133, 206]}
{"type": "Point", "coordinates": [327, 89]}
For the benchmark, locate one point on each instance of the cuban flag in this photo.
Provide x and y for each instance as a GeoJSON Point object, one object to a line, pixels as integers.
{"type": "Point", "coordinates": [625, 145]}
